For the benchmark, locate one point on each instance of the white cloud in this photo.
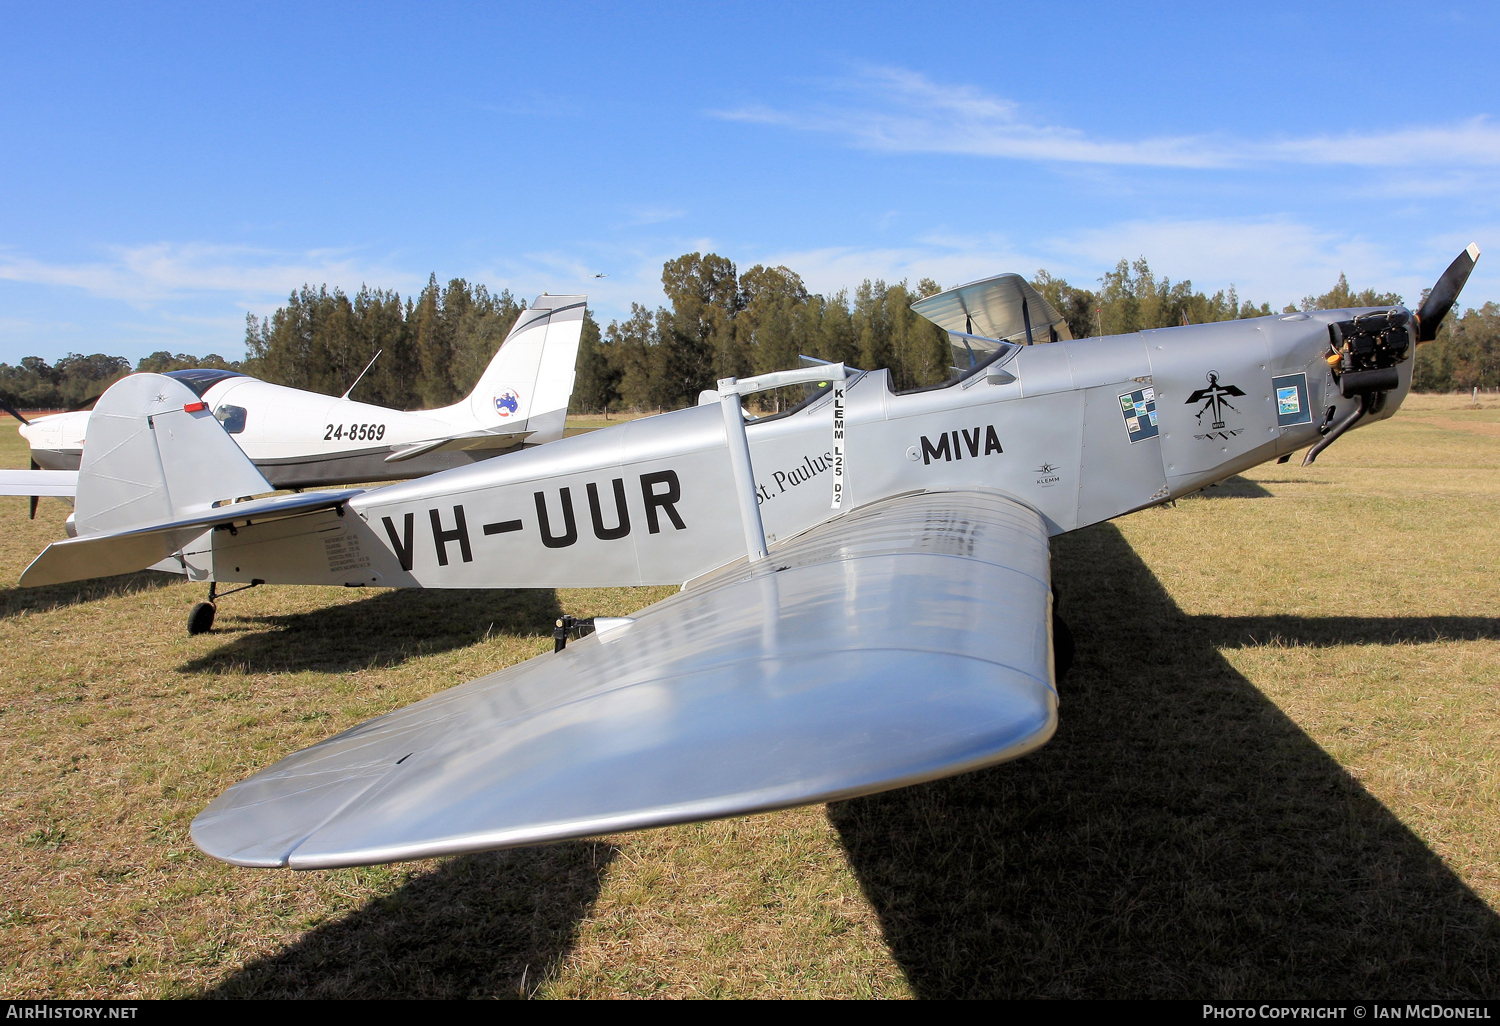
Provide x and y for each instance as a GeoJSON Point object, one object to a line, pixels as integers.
{"type": "Point", "coordinates": [946, 261]}
{"type": "Point", "coordinates": [1272, 260]}
{"type": "Point", "coordinates": [898, 110]}
{"type": "Point", "coordinates": [1276, 260]}
{"type": "Point", "coordinates": [1281, 260]}
{"type": "Point", "coordinates": [196, 293]}
{"type": "Point", "coordinates": [641, 216]}
{"type": "Point", "coordinates": [631, 274]}
{"type": "Point", "coordinates": [170, 279]}
{"type": "Point", "coordinates": [143, 275]}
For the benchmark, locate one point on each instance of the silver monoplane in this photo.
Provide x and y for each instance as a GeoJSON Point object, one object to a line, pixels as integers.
{"type": "Point", "coordinates": [867, 599]}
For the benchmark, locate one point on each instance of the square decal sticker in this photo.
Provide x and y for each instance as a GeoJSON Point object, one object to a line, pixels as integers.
{"type": "Point", "coordinates": [1292, 406]}
{"type": "Point", "coordinates": [1139, 410]}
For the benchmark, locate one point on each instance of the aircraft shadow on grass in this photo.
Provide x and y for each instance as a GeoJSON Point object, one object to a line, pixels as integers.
{"type": "Point", "coordinates": [17, 601]}
{"type": "Point", "coordinates": [1233, 488]}
{"type": "Point", "coordinates": [1325, 631]}
{"type": "Point", "coordinates": [383, 630]}
{"type": "Point", "coordinates": [1179, 837]}
{"type": "Point", "coordinates": [476, 926]}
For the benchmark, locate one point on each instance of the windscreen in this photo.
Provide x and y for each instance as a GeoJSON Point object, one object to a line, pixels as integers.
{"type": "Point", "coordinates": [201, 379]}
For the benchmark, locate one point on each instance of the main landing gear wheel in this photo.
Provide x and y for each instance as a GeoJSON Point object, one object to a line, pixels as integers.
{"type": "Point", "coordinates": [201, 618]}
{"type": "Point", "coordinates": [1062, 645]}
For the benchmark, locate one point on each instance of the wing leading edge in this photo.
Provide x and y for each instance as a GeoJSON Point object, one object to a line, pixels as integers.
{"type": "Point", "coordinates": [902, 642]}
{"type": "Point", "coordinates": [60, 483]}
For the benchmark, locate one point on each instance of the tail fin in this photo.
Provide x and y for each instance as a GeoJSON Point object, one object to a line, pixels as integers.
{"type": "Point", "coordinates": [155, 465]}
{"type": "Point", "coordinates": [154, 453]}
{"type": "Point", "coordinates": [530, 380]}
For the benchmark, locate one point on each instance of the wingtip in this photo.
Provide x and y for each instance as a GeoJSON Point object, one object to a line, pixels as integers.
{"type": "Point", "coordinates": [1473, 250]}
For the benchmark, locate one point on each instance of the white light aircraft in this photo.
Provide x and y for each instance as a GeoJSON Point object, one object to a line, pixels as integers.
{"type": "Point", "coordinates": [867, 601]}
{"type": "Point", "coordinates": [300, 439]}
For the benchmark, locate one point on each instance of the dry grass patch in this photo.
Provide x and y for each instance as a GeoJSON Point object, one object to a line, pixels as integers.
{"type": "Point", "coordinates": [1275, 775]}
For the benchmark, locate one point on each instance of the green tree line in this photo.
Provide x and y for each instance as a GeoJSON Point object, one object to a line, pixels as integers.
{"type": "Point", "coordinates": [1465, 355]}
{"type": "Point", "coordinates": [432, 348]}
{"type": "Point", "coordinates": [717, 322]}
{"type": "Point", "coordinates": [720, 323]}
{"type": "Point", "coordinates": [37, 385]}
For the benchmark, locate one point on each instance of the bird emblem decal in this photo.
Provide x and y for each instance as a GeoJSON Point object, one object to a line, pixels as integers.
{"type": "Point", "coordinates": [1214, 398]}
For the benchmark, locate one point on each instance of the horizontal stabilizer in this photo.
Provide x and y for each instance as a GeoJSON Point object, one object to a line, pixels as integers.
{"type": "Point", "coordinates": [902, 642]}
{"type": "Point", "coordinates": [128, 549]}
{"type": "Point", "coordinates": [472, 440]}
{"type": "Point", "coordinates": [60, 483]}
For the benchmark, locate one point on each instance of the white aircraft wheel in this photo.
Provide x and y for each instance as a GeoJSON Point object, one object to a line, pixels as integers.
{"type": "Point", "coordinates": [201, 618]}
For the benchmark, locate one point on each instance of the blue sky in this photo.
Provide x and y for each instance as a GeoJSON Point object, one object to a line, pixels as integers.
{"type": "Point", "coordinates": [167, 169]}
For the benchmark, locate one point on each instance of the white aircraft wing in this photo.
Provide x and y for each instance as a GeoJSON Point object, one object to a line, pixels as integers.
{"type": "Point", "coordinates": [898, 643]}
{"type": "Point", "coordinates": [61, 483]}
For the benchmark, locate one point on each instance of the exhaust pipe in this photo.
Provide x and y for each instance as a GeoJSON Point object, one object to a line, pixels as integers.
{"type": "Point", "coordinates": [1342, 426]}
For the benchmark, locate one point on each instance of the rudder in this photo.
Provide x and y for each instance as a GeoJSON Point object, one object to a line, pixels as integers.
{"type": "Point", "coordinates": [155, 452]}
{"type": "Point", "coordinates": [530, 379]}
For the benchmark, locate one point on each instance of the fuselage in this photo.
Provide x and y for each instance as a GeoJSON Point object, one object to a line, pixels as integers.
{"type": "Point", "coordinates": [1081, 431]}
{"type": "Point", "coordinates": [295, 437]}
{"type": "Point", "coordinates": [299, 439]}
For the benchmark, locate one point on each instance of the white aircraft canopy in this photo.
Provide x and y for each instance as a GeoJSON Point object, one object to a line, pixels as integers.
{"type": "Point", "coordinates": [201, 379]}
{"type": "Point", "coordinates": [1004, 307]}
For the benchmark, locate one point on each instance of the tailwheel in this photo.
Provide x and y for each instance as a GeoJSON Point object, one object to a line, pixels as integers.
{"type": "Point", "coordinates": [1062, 645]}
{"type": "Point", "coordinates": [201, 618]}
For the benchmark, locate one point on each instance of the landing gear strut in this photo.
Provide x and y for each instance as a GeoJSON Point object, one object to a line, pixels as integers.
{"type": "Point", "coordinates": [564, 624]}
{"type": "Point", "coordinates": [201, 616]}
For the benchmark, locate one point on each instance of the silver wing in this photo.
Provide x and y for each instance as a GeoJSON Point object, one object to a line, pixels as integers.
{"type": "Point", "coordinates": [901, 642]}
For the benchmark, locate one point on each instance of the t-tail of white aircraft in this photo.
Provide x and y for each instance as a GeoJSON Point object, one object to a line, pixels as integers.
{"type": "Point", "coordinates": [529, 382]}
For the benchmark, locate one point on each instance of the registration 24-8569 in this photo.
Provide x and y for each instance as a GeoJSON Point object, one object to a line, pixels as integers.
{"type": "Point", "coordinates": [354, 432]}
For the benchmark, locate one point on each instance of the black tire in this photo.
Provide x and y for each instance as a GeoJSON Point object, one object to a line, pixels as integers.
{"type": "Point", "coordinates": [1062, 645]}
{"type": "Point", "coordinates": [201, 618]}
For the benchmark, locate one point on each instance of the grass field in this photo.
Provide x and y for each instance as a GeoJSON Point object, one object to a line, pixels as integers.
{"type": "Point", "coordinates": [1275, 775]}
